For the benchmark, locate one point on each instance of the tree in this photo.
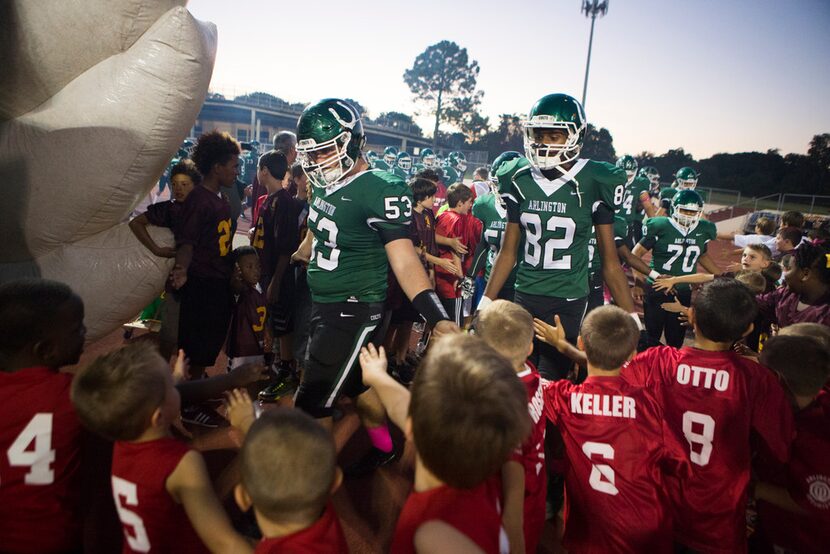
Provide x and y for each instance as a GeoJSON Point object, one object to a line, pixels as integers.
{"type": "Point", "coordinates": [464, 114]}
{"type": "Point", "coordinates": [819, 152]}
{"type": "Point", "coordinates": [442, 76]}
{"type": "Point", "coordinates": [598, 145]}
{"type": "Point", "coordinates": [507, 136]}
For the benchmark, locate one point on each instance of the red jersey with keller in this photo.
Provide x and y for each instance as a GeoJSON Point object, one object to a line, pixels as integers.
{"type": "Point", "coordinates": [532, 457]}
{"type": "Point", "coordinates": [618, 449]}
{"type": "Point", "coordinates": [205, 223]}
{"type": "Point", "coordinates": [714, 400]}
{"type": "Point", "coordinates": [246, 335]}
{"type": "Point", "coordinates": [325, 536]}
{"type": "Point", "coordinates": [40, 443]}
{"type": "Point", "coordinates": [151, 520]}
{"type": "Point", "coordinates": [475, 513]}
{"type": "Point", "coordinates": [807, 479]}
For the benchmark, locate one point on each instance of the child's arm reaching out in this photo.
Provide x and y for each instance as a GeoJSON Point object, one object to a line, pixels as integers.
{"type": "Point", "coordinates": [554, 335]}
{"type": "Point", "coordinates": [393, 395]}
{"type": "Point", "coordinates": [189, 484]}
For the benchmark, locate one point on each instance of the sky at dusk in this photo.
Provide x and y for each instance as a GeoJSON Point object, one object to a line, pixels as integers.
{"type": "Point", "coordinates": [709, 76]}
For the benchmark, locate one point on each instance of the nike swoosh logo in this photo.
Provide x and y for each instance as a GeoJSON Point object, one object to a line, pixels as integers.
{"type": "Point", "coordinates": [346, 315]}
{"type": "Point", "coordinates": [344, 199]}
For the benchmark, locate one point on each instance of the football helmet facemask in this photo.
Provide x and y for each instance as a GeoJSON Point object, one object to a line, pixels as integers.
{"type": "Point", "coordinates": [329, 140]}
{"type": "Point", "coordinates": [687, 207]}
{"type": "Point", "coordinates": [685, 178]}
{"type": "Point", "coordinates": [554, 111]}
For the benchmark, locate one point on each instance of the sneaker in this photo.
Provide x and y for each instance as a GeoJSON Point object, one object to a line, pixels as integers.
{"type": "Point", "coordinates": [284, 384]}
{"type": "Point", "coordinates": [204, 416]}
{"type": "Point", "coordinates": [373, 459]}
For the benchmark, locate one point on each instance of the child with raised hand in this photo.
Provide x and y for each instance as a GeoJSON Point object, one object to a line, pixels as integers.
{"type": "Point", "coordinates": [41, 330]}
{"type": "Point", "coordinates": [618, 446]}
{"type": "Point", "coordinates": [161, 487]}
{"type": "Point", "coordinates": [792, 502]}
{"type": "Point", "coordinates": [289, 473]}
{"type": "Point", "coordinates": [248, 337]}
{"type": "Point", "coordinates": [466, 413]}
{"type": "Point", "coordinates": [508, 329]}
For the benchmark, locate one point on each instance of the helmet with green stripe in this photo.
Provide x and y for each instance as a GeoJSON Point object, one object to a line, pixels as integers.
{"type": "Point", "coordinates": [629, 164]}
{"type": "Point", "coordinates": [650, 173]}
{"type": "Point", "coordinates": [554, 131]}
{"type": "Point", "coordinates": [390, 155]}
{"type": "Point", "coordinates": [329, 140]}
{"type": "Point", "coordinates": [687, 207]}
{"type": "Point", "coordinates": [404, 161]}
{"type": "Point", "coordinates": [458, 161]}
{"type": "Point", "coordinates": [371, 156]}
{"type": "Point", "coordinates": [685, 178]}
{"type": "Point", "coordinates": [428, 157]}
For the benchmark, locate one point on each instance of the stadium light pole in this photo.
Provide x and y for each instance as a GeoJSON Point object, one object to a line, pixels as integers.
{"type": "Point", "coordinates": [592, 9]}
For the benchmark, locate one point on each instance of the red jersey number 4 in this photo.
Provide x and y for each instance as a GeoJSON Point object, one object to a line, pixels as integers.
{"type": "Point", "coordinates": [33, 449]}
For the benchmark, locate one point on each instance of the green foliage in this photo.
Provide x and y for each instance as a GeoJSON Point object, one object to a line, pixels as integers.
{"type": "Point", "coordinates": [443, 77]}
{"type": "Point", "coordinates": [599, 145]}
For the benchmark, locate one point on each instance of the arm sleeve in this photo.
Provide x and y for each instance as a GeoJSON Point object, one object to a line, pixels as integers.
{"type": "Point", "coordinates": [479, 258]}
{"type": "Point", "coordinates": [390, 211]}
{"type": "Point", "coordinates": [610, 181]}
{"type": "Point", "coordinates": [158, 214]}
{"type": "Point", "coordinates": [552, 396]}
{"type": "Point", "coordinates": [507, 188]}
{"type": "Point", "coordinates": [712, 234]}
{"type": "Point", "coordinates": [649, 234]}
{"type": "Point", "coordinates": [190, 223]}
{"type": "Point", "coordinates": [620, 232]}
{"type": "Point", "coordinates": [603, 214]}
{"type": "Point", "coordinates": [768, 301]}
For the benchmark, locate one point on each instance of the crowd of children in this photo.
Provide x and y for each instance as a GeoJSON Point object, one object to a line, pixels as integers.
{"type": "Point", "coordinates": [660, 448]}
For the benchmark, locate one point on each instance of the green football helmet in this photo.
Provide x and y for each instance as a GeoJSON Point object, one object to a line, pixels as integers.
{"type": "Point", "coordinates": [404, 161]}
{"type": "Point", "coordinates": [371, 156]}
{"type": "Point", "coordinates": [629, 164]}
{"type": "Point", "coordinates": [651, 173]}
{"type": "Point", "coordinates": [428, 157]}
{"type": "Point", "coordinates": [500, 160]}
{"type": "Point", "coordinates": [458, 161]}
{"type": "Point", "coordinates": [554, 111]}
{"type": "Point", "coordinates": [685, 178]}
{"type": "Point", "coordinates": [440, 161]}
{"type": "Point", "coordinates": [687, 207]}
{"type": "Point", "coordinates": [329, 140]}
{"type": "Point", "coordinates": [186, 149]}
{"type": "Point", "coordinates": [390, 155]}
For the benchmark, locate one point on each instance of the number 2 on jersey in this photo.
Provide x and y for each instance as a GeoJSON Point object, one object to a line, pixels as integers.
{"type": "Point", "coordinates": [536, 252]}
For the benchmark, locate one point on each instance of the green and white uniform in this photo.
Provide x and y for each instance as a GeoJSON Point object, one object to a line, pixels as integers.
{"type": "Point", "coordinates": [380, 164]}
{"type": "Point", "coordinates": [450, 176]}
{"type": "Point", "coordinates": [620, 238]}
{"type": "Point", "coordinates": [494, 222]}
{"type": "Point", "coordinates": [556, 219]}
{"type": "Point", "coordinates": [674, 249]}
{"type": "Point", "coordinates": [400, 173]}
{"type": "Point", "coordinates": [351, 221]}
{"type": "Point", "coordinates": [666, 195]}
{"type": "Point", "coordinates": [632, 209]}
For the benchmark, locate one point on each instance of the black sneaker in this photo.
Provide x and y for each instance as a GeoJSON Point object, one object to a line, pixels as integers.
{"type": "Point", "coordinates": [285, 384]}
{"type": "Point", "coordinates": [373, 459]}
{"type": "Point", "coordinates": [204, 416]}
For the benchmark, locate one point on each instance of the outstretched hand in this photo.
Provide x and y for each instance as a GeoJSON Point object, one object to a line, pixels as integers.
{"type": "Point", "coordinates": [240, 409]}
{"type": "Point", "coordinates": [553, 335]}
{"type": "Point", "coordinates": [373, 363]}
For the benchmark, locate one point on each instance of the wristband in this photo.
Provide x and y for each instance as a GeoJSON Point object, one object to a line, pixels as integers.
{"type": "Point", "coordinates": [429, 306]}
{"type": "Point", "coordinates": [653, 275]}
{"type": "Point", "coordinates": [636, 319]}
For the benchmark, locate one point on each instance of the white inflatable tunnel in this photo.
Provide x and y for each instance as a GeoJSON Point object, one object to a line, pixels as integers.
{"type": "Point", "coordinates": [95, 97]}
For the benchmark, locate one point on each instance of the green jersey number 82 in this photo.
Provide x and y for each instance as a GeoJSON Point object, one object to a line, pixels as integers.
{"type": "Point", "coordinates": [538, 252]}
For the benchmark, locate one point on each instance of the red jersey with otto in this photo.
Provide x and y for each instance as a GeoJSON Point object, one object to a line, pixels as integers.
{"type": "Point", "coordinates": [40, 441]}
{"type": "Point", "coordinates": [714, 400]}
{"type": "Point", "coordinates": [618, 449]}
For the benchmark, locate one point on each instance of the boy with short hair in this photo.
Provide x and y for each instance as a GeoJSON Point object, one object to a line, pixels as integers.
{"type": "Point", "coordinates": [161, 488]}
{"type": "Point", "coordinates": [465, 414]}
{"type": "Point", "coordinates": [508, 329]}
{"type": "Point", "coordinates": [618, 446]}
{"type": "Point", "coordinates": [793, 506]}
{"type": "Point", "coordinates": [41, 330]}
{"type": "Point", "coordinates": [786, 241]}
{"type": "Point", "coordinates": [288, 475]}
{"type": "Point", "coordinates": [716, 399]}
{"type": "Point", "coordinates": [248, 337]}
{"type": "Point", "coordinates": [453, 224]}
{"type": "Point", "coordinates": [792, 218]}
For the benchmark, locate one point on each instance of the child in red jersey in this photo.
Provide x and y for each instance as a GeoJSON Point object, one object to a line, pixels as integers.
{"type": "Point", "coordinates": [716, 399]}
{"type": "Point", "coordinates": [248, 338]}
{"type": "Point", "coordinates": [161, 487]}
{"type": "Point", "coordinates": [794, 501]}
{"type": "Point", "coordinates": [508, 328]}
{"type": "Point", "coordinates": [466, 413]}
{"type": "Point", "coordinates": [289, 472]}
{"type": "Point", "coordinates": [41, 330]}
{"type": "Point", "coordinates": [453, 224]}
{"type": "Point", "coordinates": [617, 444]}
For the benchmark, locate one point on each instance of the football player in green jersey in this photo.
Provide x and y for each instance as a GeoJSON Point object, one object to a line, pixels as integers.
{"type": "Point", "coordinates": [677, 244]}
{"type": "Point", "coordinates": [371, 157]}
{"type": "Point", "coordinates": [428, 158]}
{"type": "Point", "coordinates": [553, 200]}
{"type": "Point", "coordinates": [686, 178]}
{"type": "Point", "coordinates": [403, 164]}
{"type": "Point", "coordinates": [636, 201]}
{"type": "Point", "coordinates": [390, 156]}
{"type": "Point", "coordinates": [359, 219]}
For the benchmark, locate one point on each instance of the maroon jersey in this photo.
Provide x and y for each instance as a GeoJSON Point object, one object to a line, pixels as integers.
{"type": "Point", "coordinates": [246, 335]}
{"type": "Point", "coordinates": [714, 400]}
{"type": "Point", "coordinates": [205, 224]}
{"type": "Point", "coordinates": [152, 521]}
{"type": "Point", "coordinates": [618, 449]}
{"type": "Point", "coordinates": [423, 225]}
{"type": "Point", "coordinates": [475, 513]}
{"type": "Point", "coordinates": [277, 232]}
{"type": "Point", "coordinates": [39, 459]}
{"type": "Point", "coordinates": [324, 537]}
{"type": "Point", "coordinates": [781, 306]}
{"type": "Point", "coordinates": [532, 457]}
{"type": "Point", "coordinates": [164, 214]}
{"type": "Point", "coordinates": [807, 478]}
